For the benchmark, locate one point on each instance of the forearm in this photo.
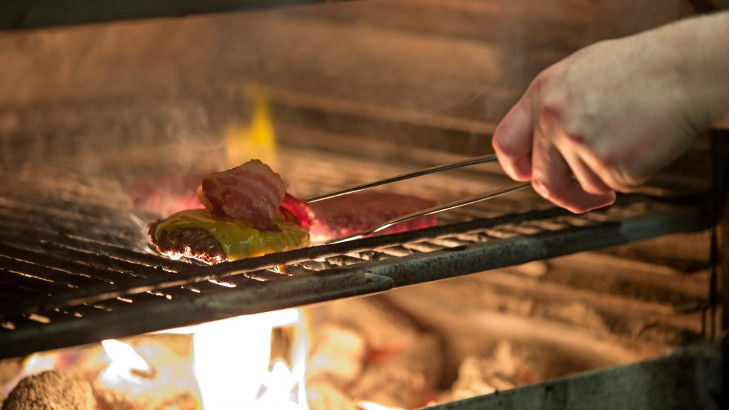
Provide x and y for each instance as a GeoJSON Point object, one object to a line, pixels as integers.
{"type": "Point", "coordinates": [611, 115]}
{"type": "Point", "coordinates": [704, 42]}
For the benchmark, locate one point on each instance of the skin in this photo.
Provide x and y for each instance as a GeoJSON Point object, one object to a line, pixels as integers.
{"type": "Point", "coordinates": [611, 115]}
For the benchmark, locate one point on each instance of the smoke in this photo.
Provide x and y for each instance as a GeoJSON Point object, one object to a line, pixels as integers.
{"type": "Point", "coordinates": [385, 79]}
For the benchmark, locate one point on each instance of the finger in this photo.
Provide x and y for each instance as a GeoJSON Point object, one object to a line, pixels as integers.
{"type": "Point", "coordinates": [512, 141]}
{"type": "Point", "coordinates": [588, 179]}
{"type": "Point", "coordinates": [611, 174]}
{"type": "Point", "coordinates": [552, 179]}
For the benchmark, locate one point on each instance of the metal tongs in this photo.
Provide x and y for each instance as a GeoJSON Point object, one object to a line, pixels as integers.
{"type": "Point", "coordinates": [429, 211]}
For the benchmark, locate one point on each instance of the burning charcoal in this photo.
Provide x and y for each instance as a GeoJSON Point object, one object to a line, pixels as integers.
{"type": "Point", "coordinates": [407, 379]}
{"type": "Point", "coordinates": [506, 367]}
{"type": "Point", "coordinates": [166, 383]}
{"type": "Point", "coordinates": [339, 354]}
{"type": "Point", "coordinates": [385, 329]}
{"type": "Point", "coordinates": [117, 400]}
{"type": "Point", "coordinates": [401, 365]}
{"type": "Point", "coordinates": [50, 390]}
{"type": "Point", "coordinates": [322, 395]}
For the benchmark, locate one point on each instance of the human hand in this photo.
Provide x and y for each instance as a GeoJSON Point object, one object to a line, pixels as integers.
{"type": "Point", "coordinates": [602, 120]}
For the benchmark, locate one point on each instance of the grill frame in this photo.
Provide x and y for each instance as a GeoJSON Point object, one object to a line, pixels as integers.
{"type": "Point", "coordinates": [671, 370]}
{"type": "Point", "coordinates": [691, 375]}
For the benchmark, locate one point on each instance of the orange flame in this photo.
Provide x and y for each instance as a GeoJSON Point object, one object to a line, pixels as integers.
{"type": "Point", "coordinates": [255, 140]}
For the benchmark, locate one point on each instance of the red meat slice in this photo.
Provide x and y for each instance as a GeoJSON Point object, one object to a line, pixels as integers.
{"type": "Point", "coordinates": [351, 214]}
{"type": "Point", "coordinates": [250, 193]}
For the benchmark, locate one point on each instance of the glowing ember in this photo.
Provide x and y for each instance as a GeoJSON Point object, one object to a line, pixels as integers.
{"type": "Point", "coordinates": [237, 362]}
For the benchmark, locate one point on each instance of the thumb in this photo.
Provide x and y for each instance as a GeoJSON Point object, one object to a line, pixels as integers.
{"type": "Point", "coordinates": [512, 140]}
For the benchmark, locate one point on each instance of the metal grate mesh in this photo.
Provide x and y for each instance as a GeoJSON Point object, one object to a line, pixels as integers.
{"type": "Point", "coordinates": [76, 265]}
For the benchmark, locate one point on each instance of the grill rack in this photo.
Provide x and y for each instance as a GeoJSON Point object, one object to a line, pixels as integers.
{"type": "Point", "coordinates": [66, 278]}
{"type": "Point", "coordinates": [76, 265]}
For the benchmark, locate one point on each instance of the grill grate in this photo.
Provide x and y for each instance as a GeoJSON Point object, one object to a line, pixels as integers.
{"type": "Point", "coordinates": [67, 282]}
{"type": "Point", "coordinates": [76, 266]}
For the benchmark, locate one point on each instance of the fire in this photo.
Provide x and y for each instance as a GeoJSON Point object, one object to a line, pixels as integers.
{"type": "Point", "coordinates": [260, 361]}
{"type": "Point", "coordinates": [238, 364]}
{"type": "Point", "coordinates": [367, 405]}
{"type": "Point", "coordinates": [256, 139]}
{"type": "Point", "coordinates": [253, 362]}
{"type": "Point", "coordinates": [126, 366]}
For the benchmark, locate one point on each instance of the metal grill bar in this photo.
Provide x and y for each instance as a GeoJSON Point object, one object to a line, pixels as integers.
{"type": "Point", "coordinates": [191, 275]}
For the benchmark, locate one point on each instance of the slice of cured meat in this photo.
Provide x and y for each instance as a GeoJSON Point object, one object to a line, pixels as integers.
{"type": "Point", "coordinates": [354, 213]}
{"type": "Point", "coordinates": [250, 194]}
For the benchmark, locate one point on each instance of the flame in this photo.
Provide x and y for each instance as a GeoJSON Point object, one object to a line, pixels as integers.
{"type": "Point", "coordinates": [234, 368]}
{"type": "Point", "coordinates": [120, 352]}
{"type": "Point", "coordinates": [368, 405]}
{"type": "Point", "coordinates": [256, 362]}
{"type": "Point", "coordinates": [126, 366]}
{"type": "Point", "coordinates": [256, 140]}
{"type": "Point", "coordinates": [39, 362]}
